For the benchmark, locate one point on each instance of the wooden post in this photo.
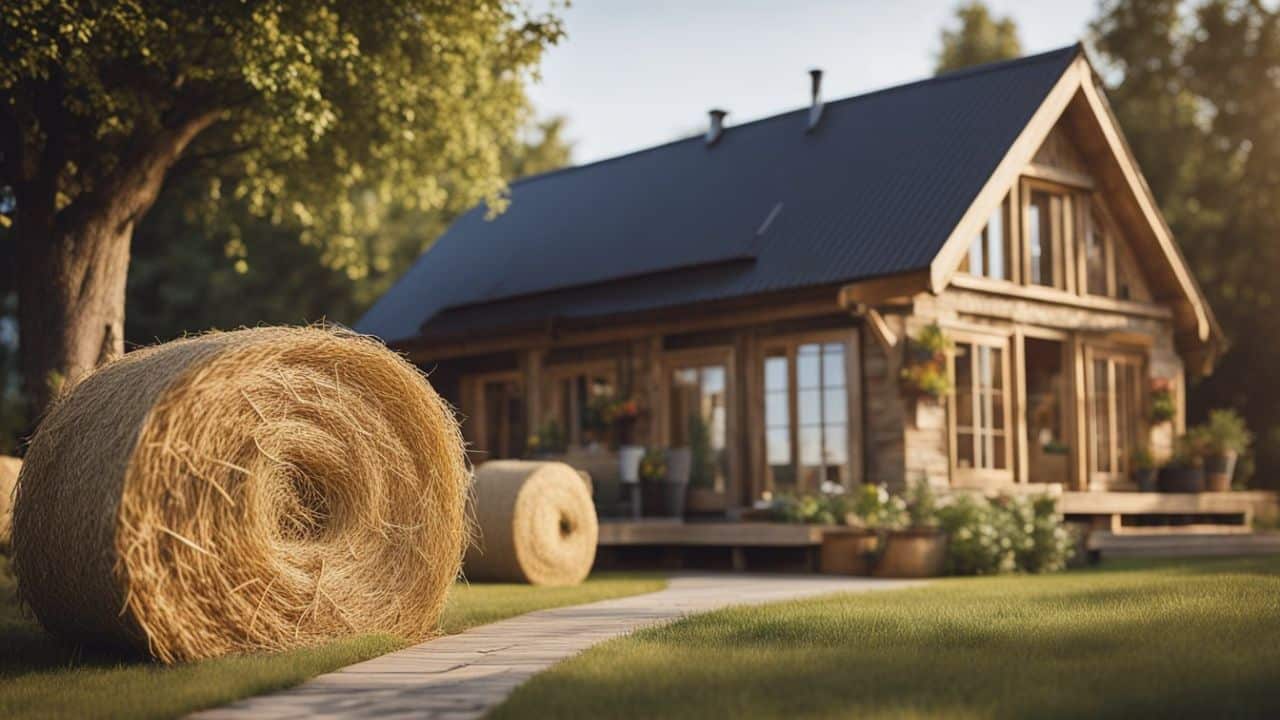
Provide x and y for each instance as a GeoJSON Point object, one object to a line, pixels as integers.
{"type": "Point", "coordinates": [1079, 417]}
{"type": "Point", "coordinates": [531, 367]}
{"type": "Point", "coordinates": [1022, 472]}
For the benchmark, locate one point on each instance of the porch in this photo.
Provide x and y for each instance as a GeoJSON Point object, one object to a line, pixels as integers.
{"type": "Point", "coordinates": [1116, 523]}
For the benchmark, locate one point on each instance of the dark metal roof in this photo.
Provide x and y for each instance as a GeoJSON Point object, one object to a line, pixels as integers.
{"type": "Point", "coordinates": [874, 190]}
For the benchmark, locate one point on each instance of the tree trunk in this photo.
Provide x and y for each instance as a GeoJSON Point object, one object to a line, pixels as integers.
{"type": "Point", "coordinates": [73, 262]}
{"type": "Point", "coordinates": [71, 295]}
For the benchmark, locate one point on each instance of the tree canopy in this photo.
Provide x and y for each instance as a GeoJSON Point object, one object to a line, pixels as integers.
{"type": "Point", "coordinates": [977, 37]}
{"type": "Point", "coordinates": [326, 116]}
{"type": "Point", "coordinates": [1194, 85]}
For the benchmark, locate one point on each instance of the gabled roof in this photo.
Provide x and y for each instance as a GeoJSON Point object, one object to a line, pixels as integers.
{"type": "Point", "coordinates": [876, 189]}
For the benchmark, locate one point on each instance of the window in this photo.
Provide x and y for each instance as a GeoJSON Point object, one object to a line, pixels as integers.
{"type": "Point", "coordinates": [572, 402]}
{"type": "Point", "coordinates": [1115, 415]}
{"type": "Point", "coordinates": [990, 252]}
{"type": "Point", "coordinates": [500, 417]}
{"type": "Point", "coordinates": [1044, 223]}
{"type": "Point", "coordinates": [807, 415]}
{"type": "Point", "coordinates": [698, 408]}
{"type": "Point", "coordinates": [1097, 257]}
{"type": "Point", "coordinates": [981, 406]}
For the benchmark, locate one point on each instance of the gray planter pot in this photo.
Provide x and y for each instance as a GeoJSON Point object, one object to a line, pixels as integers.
{"type": "Point", "coordinates": [1181, 480]}
{"type": "Point", "coordinates": [1146, 479]}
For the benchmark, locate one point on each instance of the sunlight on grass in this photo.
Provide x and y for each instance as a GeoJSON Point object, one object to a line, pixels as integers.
{"type": "Point", "coordinates": [1190, 638]}
{"type": "Point", "coordinates": [40, 678]}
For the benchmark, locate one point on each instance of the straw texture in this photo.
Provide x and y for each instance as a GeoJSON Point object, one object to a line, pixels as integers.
{"type": "Point", "coordinates": [536, 524]}
{"type": "Point", "coordinates": [253, 490]}
{"type": "Point", "coordinates": [9, 467]}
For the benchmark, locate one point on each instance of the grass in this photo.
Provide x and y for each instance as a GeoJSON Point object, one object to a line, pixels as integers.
{"type": "Point", "coordinates": [42, 678]}
{"type": "Point", "coordinates": [1138, 639]}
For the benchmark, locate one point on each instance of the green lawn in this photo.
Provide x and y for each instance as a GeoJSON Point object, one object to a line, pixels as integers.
{"type": "Point", "coordinates": [1156, 639]}
{"type": "Point", "coordinates": [40, 678]}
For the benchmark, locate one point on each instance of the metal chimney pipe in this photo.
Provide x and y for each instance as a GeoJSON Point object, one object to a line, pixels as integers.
{"type": "Point", "coordinates": [815, 106]}
{"type": "Point", "coordinates": [716, 128]}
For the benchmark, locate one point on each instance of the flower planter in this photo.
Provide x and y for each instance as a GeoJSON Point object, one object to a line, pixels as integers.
{"type": "Point", "coordinates": [848, 552]}
{"type": "Point", "coordinates": [705, 500]}
{"type": "Point", "coordinates": [1218, 471]}
{"type": "Point", "coordinates": [1181, 480]}
{"type": "Point", "coordinates": [663, 498]}
{"type": "Point", "coordinates": [1145, 479]}
{"type": "Point", "coordinates": [913, 554]}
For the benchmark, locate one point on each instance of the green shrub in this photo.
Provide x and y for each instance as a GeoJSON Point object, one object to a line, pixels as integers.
{"type": "Point", "coordinates": [1009, 534]}
{"type": "Point", "coordinates": [1226, 432]}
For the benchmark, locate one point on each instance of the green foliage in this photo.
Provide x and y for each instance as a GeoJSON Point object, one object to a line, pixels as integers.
{"type": "Point", "coordinates": [813, 508]}
{"type": "Point", "coordinates": [1227, 433]}
{"type": "Point", "coordinates": [1010, 534]}
{"type": "Point", "coordinates": [653, 466]}
{"type": "Point", "coordinates": [977, 37]}
{"type": "Point", "coordinates": [925, 371]}
{"type": "Point", "coordinates": [191, 271]}
{"type": "Point", "coordinates": [1143, 459]}
{"type": "Point", "coordinates": [550, 438]}
{"type": "Point", "coordinates": [1190, 448]}
{"type": "Point", "coordinates": [1163, 408]}
{"type": "Point", "coordinates": [922, 504]}
{"type": "Point", "coordinates": [876, 509]}
{"type": "Point", "coordinates": [326, 116]}
{"type": "Point", "coordinates": [1193, 85]}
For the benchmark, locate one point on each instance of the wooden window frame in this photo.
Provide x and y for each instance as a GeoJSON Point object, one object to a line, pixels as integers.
{"type": "Point", "coordinates": [789, 344]}
{"type": "Point", "coordinates": [1010, 212]}
{"type": "Point", "coordinates": [1114, 354]}
{"type": "Point", "coordinates": [1062, 229]}
{"type": "Point", "coordinates": [983, 477]}
{"type": "Point", "coordinates": [672, 360]}
{"type": "Point", "coordinates": [552, 375]}
{"type": "Point", "coordinates": [1091, 212]}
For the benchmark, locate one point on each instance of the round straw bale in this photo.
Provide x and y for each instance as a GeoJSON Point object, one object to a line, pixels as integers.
{"type": "Point", "coordinates": [9, 467]}
{"type": "Point", "coordinates": [535, 523]}
{"type": "Point", "coordinates": [253, 490]}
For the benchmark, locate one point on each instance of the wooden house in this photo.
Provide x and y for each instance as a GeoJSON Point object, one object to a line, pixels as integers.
{"type": "Point", "coordinates": [760, 285]}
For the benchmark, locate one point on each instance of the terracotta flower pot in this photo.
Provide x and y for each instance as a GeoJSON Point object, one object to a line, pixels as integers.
{"type": "Point", "coordinates": [1218, 471]}
{"type": "Point", "coordinates": [913, 553]}
{"type": "Point", "coordinates": [848, 551]}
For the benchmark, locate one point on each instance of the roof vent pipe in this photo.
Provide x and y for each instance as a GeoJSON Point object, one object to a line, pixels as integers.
{"type": "Point", "coordinates": [815, 106]}
{"type": "Point", "coordinates": [716, 128]}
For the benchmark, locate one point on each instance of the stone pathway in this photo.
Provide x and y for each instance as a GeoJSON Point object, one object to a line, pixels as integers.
{"type": "Point", "coordinates": [465, 675]}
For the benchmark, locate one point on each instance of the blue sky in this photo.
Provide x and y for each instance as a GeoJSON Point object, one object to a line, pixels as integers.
{"type": "Point", "coordinates": [634, 74]}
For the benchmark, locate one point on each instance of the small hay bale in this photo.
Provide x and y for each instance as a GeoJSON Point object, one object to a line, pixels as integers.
{"type": "Point", "coordinates": [255, 490]}
{"type": "Point", "coordinates": [9, 467]}
{"type": "Point", "coordinates": [535, 523]}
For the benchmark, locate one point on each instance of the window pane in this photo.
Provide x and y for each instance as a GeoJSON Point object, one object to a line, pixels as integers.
{"type": "Point", "coordinates": [833, 365]}
{"type": "Point", "coordinates": [995, 244]}
{"type": "Point", "coordinates": [775, 373]}
{"type": "Point", "coordinates": [713, 379]}
{"type": "Point", "coordinates": [1040, 238]}
{"type": "Point", "coordinates": [807, 361]}
{"type": "Point", "coordinates": [964, 449]}
{"type": "Point", "coordinates": [998, 452]}
{"type": "Point", "coordinates": [808, 409]}
{"type": "Point", "coordinates": [1095, 257]}
{"type": "Point", "coordinates": [778, 446]}
{"type": "Point", "coordinates": [810, 446]}
{"type": "Point", "coordinates": [776, 412]}
{"type": "Point", "coordinates": [834, 401]}
{"type": "Point", "coordinates": [1100, 441]}
{"type": "Point", "coordinates": [964, 385]}
{"type": "Point", "coordinates": [997, 411]}
{"type": "Point", "coordinates": [835, 444]}
{"type": "Point", "coordinates": [976, 264]}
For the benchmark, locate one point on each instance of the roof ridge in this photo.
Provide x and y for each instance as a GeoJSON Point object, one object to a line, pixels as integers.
{"type": "Point", "coordinates": [944, 77]}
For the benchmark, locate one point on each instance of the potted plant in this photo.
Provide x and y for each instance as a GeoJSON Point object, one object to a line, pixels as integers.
{"type": "Point", "coordinates": [919, 549]}
{"type": "Point", "coordinates": [924, 375]}
{"type": "Point", "coordinates": [1163, 408]}
{"type": "Point", "coordinates": [1226, 436]}
{"type": "Point", "coordinates": [1144, 469]}
{"type": "Point", "coordinates": [1184, 473]}
{"type": "Point", "coordinates": [664, 482]}
{"type": "Point", "coordinates": [851, 548]}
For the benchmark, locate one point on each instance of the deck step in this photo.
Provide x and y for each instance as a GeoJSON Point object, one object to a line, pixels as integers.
{"type": "Point", "coordinates": [1184, 545]}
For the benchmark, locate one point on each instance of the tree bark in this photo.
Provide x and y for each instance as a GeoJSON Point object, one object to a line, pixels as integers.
{"type": "Point", "coordinates": [74, 262]}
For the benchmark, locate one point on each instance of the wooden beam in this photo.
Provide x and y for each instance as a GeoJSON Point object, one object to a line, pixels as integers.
{"type": "Point", "coordinates": [884, 290]}
{"type": "Point", "coordinates": [1061, 176]}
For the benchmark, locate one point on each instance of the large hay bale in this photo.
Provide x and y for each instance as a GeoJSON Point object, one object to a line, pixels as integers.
{"type": "Point", "coordinates": [9, 467]}
{"type": "Point", "coordinates": [535, 523]}
{"type": "Point", "coordinates": [253, 490]}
